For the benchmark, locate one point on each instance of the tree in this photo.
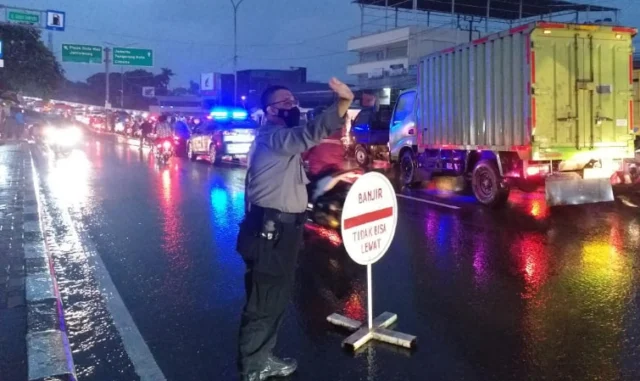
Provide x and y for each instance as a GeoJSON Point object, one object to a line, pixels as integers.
{"type": "Point", "coordinates": [194, 88]}
{"type": "Point", "coordinates": [162, 81]}
{"type": "Point", "coordinates": [30, 67]}
{"type": "Point", "coordinates": [179, 91]}
{"type": "Point", "coordinates": [126, 84]}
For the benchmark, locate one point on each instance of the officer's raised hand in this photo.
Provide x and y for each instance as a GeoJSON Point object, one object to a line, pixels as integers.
{"type": "Point", "coordinates": [344, 94]}
{"type": "Point", "coordinates": [341, 89]}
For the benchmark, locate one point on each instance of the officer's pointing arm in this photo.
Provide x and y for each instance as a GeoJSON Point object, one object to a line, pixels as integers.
{"type": "Point", "coordinates": [291, 141]}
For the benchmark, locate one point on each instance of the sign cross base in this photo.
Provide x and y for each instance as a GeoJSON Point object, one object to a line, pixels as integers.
{"type": "Point", "coordinates": [379, 331]}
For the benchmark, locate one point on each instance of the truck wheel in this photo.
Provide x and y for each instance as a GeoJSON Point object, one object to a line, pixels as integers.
{"type": "Point", "coordinates": [488, 186]}
{"type": "Point", "coordinates": [362, 156]}
{"type": "Point", "coordinates": [407, 170]}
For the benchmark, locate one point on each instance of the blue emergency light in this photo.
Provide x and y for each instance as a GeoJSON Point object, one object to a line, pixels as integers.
{"type": "Point", "coordinates": [223, 113]}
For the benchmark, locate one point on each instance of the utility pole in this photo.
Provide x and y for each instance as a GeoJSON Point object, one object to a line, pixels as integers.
{"type": "Point", "coordinates": [121, 86]}
{"type": "Point", "coordinates": [235, 5]}
{"type": "Point", "coordinates": [106, 71]}
{"type": "Point", "coordinates": [107, 60]}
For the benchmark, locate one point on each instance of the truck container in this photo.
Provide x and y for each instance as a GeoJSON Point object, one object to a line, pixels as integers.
{"type": "Point", "coordinates": [540, 103]}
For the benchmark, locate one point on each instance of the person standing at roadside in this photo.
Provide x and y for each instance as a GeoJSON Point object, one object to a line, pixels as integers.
{"type": "Point", "coordinates": [270, 234]}
{"type": "Point", "coordinates": [145, 129]}
{"type": "Point", "coordinates": [20, 124]}
{"type": "Point", "coordinates": [3, 122]}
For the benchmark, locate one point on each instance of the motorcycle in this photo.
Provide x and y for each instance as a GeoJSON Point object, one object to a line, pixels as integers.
{"type": "Point", "coordinates": [327, 195]}
{"type": "Point", "coordinates": [61, 140]}
{"type": "Point", "coordinates": [164, 151]}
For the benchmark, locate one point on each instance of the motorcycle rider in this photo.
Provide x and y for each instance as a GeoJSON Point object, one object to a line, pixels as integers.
{"type": "Point", "coordinates": [145, 129]}
{"type": "Point", "coordinates": [163, 128]}
{"type": "Point", "coordinates": [164, 131]}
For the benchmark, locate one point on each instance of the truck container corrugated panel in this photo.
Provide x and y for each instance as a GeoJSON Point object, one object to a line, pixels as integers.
{"type": "Point", "coordinates": [636, 100]}
{"type": "Point", "coordinates": [540, 86]}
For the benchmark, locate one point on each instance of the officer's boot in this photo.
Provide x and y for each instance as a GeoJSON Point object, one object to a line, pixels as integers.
{"type": "Point", "coordinates": [253, 376]}
{"type": "Point", "coordinates": [276, 367]}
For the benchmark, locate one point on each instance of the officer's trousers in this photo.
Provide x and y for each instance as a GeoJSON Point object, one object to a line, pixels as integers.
{"type": "Point", "coordinates": [268, 283]}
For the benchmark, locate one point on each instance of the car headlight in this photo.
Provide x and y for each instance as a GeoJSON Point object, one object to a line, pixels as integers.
{"type": "Point", "coordinates": [68, 136]}
{"type": "Point", "coordinates": [49, 131]}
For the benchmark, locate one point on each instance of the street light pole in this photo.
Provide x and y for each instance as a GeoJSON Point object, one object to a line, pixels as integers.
{"type": "Point", "coordinates": [107, 60]}
{"type": "Point", "coordinates": [121, 86]}
{"type": "Point", "coordinates": [235, 5]}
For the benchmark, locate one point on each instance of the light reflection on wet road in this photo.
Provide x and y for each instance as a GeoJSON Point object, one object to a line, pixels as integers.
{"type": "Point", "coordinates": [521, 293]}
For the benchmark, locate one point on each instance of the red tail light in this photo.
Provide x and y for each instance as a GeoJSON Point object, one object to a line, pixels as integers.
{"type": "Point", "coordinates": [535, 170]}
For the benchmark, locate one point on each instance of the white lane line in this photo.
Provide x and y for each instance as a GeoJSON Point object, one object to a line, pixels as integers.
{"type": "Point", "coordinates": [429, 202]}
{"type": "Point", "coordinates": [143, 362]}
{"type": "Point", "coordinates": [134, 344]}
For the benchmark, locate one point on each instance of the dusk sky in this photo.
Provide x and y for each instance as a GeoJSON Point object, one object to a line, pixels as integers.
{"type": "Point", "coordinates": [196, 36]}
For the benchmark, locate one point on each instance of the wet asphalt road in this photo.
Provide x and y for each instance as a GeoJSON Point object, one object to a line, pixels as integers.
{"type": "Point", "coordinates": [151, 282]}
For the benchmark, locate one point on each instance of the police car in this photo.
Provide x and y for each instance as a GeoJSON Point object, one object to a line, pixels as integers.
{"type": "Point", "coordinates": [227, 133]}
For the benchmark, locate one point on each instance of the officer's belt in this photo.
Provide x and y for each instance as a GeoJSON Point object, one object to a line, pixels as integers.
{"type": "Point", "coordinates": [285, 218]}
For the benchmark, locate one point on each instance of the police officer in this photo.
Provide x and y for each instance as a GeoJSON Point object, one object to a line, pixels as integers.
{"type": "Point", "coordinates": [271, 232]}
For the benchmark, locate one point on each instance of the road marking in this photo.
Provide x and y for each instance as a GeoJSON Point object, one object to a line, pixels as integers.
{"type": "Point", "coordinates": [143, 362]}
{"type": "Point", "coordinates": [429, 202]}
{"type": "Point", "coordinates": [133, 342]}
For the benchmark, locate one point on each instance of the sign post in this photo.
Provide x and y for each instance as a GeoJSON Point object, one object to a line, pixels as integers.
{"type": "Point", "coordinates": [22, 16]}
{"type": "Point", "coordinates": [56, 20]}
{"type": "Point", "coordinates": [369, 219]}
{"type": "Point", "coordinates": [81, 53]}
{"type": "Point", "coordinates": [132, 57]}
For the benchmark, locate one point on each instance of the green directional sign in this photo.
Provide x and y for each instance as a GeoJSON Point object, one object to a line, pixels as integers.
{"type": "Point", "coordinates": [132, 57]}
{"type": "Point", "coordinates": [81, 53]}
{"type": "Point", "coordinates": [22, 16]}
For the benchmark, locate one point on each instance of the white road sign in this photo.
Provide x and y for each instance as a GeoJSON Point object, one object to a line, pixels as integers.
{"type": "Point", "coordinates": [149, 92]}
{"type": "Point", "coordinates": [369, 218]}
{"type": "Point", "coordinates": [207, 82]}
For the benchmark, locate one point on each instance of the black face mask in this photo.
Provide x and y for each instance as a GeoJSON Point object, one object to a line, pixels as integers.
{"type": "Point", "coordinates": [290, 116]}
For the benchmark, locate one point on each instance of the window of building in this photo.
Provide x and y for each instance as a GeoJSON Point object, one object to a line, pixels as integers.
{"type": "Point", "coordinates": [377, 55]}
{"type": "Point", "coordinates": [398, 51]}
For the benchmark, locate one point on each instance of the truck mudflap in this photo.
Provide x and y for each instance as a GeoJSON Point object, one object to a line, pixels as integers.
{"type": "Point", "coordinates": [571, 189]}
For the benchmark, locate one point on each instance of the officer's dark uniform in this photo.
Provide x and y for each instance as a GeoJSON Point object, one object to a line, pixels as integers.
{"type": "Point", "coordinates": [271, 232]}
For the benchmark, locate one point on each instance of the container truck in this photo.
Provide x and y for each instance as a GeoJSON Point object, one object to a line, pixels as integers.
{"type": "Point", "coordinates": [542, 103]}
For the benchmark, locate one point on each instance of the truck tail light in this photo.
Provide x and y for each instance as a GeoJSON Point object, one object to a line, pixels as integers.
{"type": "Point", "coordinates": [535, 170]}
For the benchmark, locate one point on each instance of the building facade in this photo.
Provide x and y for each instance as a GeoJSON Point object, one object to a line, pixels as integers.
{"type": "Point", "coordinates": [390, 58]}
